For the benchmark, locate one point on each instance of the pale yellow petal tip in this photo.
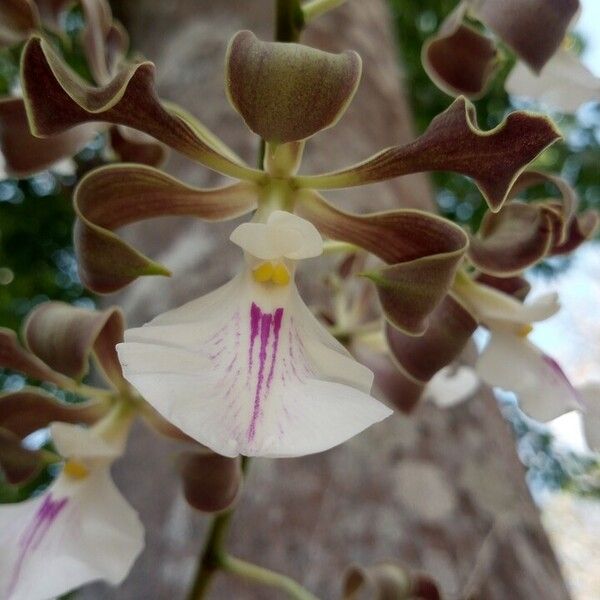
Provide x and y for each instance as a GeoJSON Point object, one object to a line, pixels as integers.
{"type": "Point", "coordinates": [76, 469]}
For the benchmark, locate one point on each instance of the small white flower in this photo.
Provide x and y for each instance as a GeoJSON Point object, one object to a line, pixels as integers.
{"type": "Point", "coordinates": [247, 369]}
{"type": "Point", "coordinates": [79, 530]}
{"type": "Point", "coordinates": [511, 361]}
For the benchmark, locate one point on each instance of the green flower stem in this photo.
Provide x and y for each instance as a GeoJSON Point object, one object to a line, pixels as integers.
{"type": "Point", "coordinates": [315, 8]}
{"type": "Point", "coordinates": [289, 20]}
{"type": "Point", "coordinates": [253, 572]}
{"type": "Point", "coordinates": [212, 555]}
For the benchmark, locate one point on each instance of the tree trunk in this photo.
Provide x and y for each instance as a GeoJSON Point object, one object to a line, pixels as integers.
{"type": "Point", "coordinates": [442, 491]}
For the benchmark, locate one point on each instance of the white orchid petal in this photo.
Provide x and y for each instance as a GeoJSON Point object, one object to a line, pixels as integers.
{"type": "Point", "coordinates": [564, 83]}
{"type": "Point", "coordinates": [496, 309]}
{"type": "Point", "coordinates": [451, 386]}
{"type": "Point", "coordinates": [515, 364]}
{"type": "Point", "coordinates": [255, 374]}
{"type": "Point", "coordinates": [78, 531]}
{"type": "Point", "coordinates": [590, 393]}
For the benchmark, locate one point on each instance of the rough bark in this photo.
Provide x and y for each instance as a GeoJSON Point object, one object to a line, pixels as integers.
{"type": "Point", "coordinates": [442, 491]}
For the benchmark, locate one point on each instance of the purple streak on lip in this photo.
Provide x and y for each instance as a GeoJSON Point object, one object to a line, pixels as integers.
{"type": "Point", "coordinates": [277, 319]}
{"type": "Point", "coordinates": [263, 324]}
{"type": "Point", "coordinates": [35, 532]}
{"type": "Point", "coordinates": [255, 315]}
{"type": "Point", "coordinates": [265, 334]}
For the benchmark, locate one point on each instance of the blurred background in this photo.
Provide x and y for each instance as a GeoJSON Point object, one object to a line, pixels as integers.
{"type": "Point", "coordinates": [37, 261]}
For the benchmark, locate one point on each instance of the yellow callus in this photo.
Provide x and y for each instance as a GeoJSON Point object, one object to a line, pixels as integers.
{"type": "Point", "coordinates": [276, 273]}
{"type": "Point", "coordinates": [76, 469]}
{"type": "Point", "coordinates": [524, 330]}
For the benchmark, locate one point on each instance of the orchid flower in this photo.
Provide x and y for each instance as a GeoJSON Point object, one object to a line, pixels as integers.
{"type": "Point", "coordinates": [80, 529]}
{"type": "Point", "coordinates": [510, 360]}
{"type": "Point", "coordinates": [247, 369]}
{"type": "Point", "coordinates": [564, 84]}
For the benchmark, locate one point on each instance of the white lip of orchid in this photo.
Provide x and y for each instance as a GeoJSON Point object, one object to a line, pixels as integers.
{"type": "Point", "coordinates": [248, 369]}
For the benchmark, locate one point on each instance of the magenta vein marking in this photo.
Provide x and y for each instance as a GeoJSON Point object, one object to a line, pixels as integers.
{"type": "Point", "coordinates": [255, 316]}
{"type": "Point", "coordinates": [34, 534]}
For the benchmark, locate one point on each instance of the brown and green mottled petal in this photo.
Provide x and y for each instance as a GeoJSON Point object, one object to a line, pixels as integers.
{"type": "Point", "coordinates": [395, 386]}
{"type": "Point", "coordinates": [422, 251]}
{"type": "Point", "coordinates": [459, 59]}
{"type": "Point", "coordinates": [118, 195]}
{"type": "Point", "coordinates": [567, 205]}
{"type": "Point", "coordinates": [30, 409]}
{"type": "Point", "coordinates": [450, 328]}
{"type": "Point", "coordinates": [288, 92]}
{"type": "Point", "coordinates": [16, 358]}
{"type": "Point", "coordinates": [133, 146]}
{"type": "Point", "coordinates": [18, 18]}
{"type": "Point", "coordinates": [17, 463]}
{"type": "Point", "coordinates": [582, 227]}
{"type": "Point", "coordinates": [534, 29]}
{"type": "Point", "coordinates": [57, 99]}
{"type": "Point", "coordinates": [515, 285]}
{"type": "Point", "coordinates": [211, 482]}
{"type": "Point", "coordinates": [65, 336]}
{"type": "Point", "coordinates": [25, 154]}
{"type": "Point", "coordinates": [512, 240]}
{"type": "Point", "coordinates": [453, 142]}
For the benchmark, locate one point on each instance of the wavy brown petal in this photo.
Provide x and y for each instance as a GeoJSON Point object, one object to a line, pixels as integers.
{"type": "Point", "coordinates": [16, 358]}
{"type": "Point", "coordinates": [58, 99]}
{"type": "Point", "coordinates": [396, 386]}
{"type": "Point", "coordinates": [288, 92]}
{"type": "Point", "coordinates": [515, 238]}
{"type": "Point", "coordinates": [459, 59]}
{"type": "Point", "coordinates": [450, 328]}
{"type": "Point", "coordinates": [581, 228]}
{"type": "Point", "coordinates": [422, 251]}
{"type": "Point", "coordinates": [135, 147]}
{"type": "Point", "coordinates": [30, 409]}
{"type": "Point", "coordinates": [453, 142]}
{"type": "Point", "coordinates": [118, 195]}
{"type": "Point", "coordinates": [25, 154]}
{"type": "Point", "coordinates": [534, 29]}
{"type": "Point", "coordinates": [65, 336]}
